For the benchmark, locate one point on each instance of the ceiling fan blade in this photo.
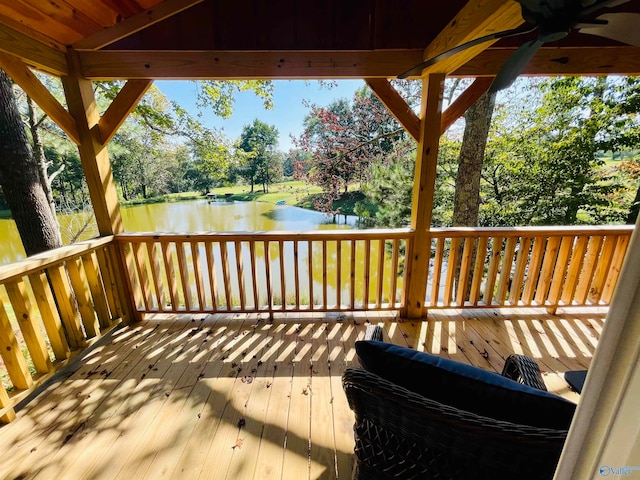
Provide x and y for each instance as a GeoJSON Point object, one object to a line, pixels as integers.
{"type": "Point", "coordinates": [449, 53]}
{"type": "Point", "coordinates": [594, 5]}
{"type": "Point", "coordinates": [622, 27]}
{"type": "Point", "coordinates": [515, 64]}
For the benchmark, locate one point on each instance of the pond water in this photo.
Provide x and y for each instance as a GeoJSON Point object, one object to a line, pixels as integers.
{"type": "Point", "coordinates": [193, 216]}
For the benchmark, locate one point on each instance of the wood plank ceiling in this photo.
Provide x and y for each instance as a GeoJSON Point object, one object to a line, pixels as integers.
{"type": "Point", "coordinates": [280, 38]}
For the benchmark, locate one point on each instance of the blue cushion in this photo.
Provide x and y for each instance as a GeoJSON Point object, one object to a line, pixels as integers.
{"type": "Point", "coordinates": [464, 386]}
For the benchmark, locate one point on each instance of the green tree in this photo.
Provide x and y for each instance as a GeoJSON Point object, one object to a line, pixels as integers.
{"type": "Point", "coordinates": [256, 147]}
{"type": "Point", "coordinates": [20, 178]}
{"type": "Point", "coordinates": [545, 167]}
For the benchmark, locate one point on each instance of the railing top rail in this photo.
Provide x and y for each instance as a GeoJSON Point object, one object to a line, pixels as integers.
{"type": "Point", "coordinates": [51, 257]}
{"type": "Point", "coordinates": [543, 231]}
{"type": "Point", "coordinates": [385, 234]}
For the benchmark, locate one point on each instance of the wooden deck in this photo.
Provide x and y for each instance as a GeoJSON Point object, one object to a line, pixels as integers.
{"type": "Point", "coordinates": [242, 397]}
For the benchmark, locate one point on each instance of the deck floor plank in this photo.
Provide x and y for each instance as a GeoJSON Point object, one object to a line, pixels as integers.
{"type": "Point", "coordinates": [47, 425]}
{"type": "Point", "coordinates": [163, 398]}
{"type": "Point", "coordinates": [212, 394]}
{"type": "Point", "coordinates": [322, 451]}
{"type": "Point", "coordinates": [244, 457]}
{"type": "Point", "coordinates": [107, 442]}
{"type": "Point", "coordinates": [270, 456]}
{"type": "Point", "coordinates": [341, 338]}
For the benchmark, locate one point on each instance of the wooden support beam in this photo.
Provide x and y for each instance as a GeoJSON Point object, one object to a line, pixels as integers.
{"type": "Point", "coordinates": [554, 61]}
{"type": "Point", "coordinates": [424, 184]}
{"type": "Point", "coordinates": [396, 105]}
{"type": "Point", "coordinates": [95, 160]}
{"type": "Point", "coordinates": [97, 169]}
{"type": "Point", "coordinates": [134, 24]}
{"type": "Point", "coordinates": [32, 86]}
{"type": "Point", "coordinates": [31, 51]}
{"type": "Point", "coordinates": [245, 65]}
{"type": "Point", "coordinates": [121, 107]}
{"type": "Point", "coordinates": [476, 19]}
{"type": "Point", "coordinates": [464, 101]}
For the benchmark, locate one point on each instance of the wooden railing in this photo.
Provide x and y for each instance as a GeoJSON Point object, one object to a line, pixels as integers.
{"type": "Point", "coordinates": [364, 270]}
{"type": "Point", "coordinates": [528, 266]}
{"type": "Point", "coordinates": [249, 272]}
{"type": "Point", "coordinates": [51, 306]}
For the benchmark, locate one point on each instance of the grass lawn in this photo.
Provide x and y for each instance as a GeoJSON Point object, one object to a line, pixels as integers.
{"type": "Point", "coordinates": [292, 193]}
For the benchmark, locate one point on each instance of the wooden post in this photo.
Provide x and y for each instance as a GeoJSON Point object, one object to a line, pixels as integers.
{"type": "Point", "coordinates": [97, 169]}
{"type": "Point", "coordinates": [419, 249]}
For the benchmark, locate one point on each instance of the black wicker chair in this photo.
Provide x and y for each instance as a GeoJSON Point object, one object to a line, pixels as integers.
{"type": "Point", "coordinates": [400, 434]}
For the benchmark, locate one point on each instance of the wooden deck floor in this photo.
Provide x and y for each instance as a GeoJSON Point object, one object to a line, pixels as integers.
{"type": "Point", "coordinates": [240, 397]}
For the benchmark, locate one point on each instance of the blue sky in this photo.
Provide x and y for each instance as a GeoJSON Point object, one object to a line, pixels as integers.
{"type": "Point", "coordinates": [287, 114]}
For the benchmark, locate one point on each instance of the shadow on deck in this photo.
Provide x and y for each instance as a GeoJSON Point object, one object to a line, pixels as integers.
{"type": "Point", "coordinates": [242, 397]}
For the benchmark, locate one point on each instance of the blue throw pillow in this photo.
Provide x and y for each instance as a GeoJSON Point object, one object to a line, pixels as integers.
{"type": "Point", "coordinates": [464, 386]}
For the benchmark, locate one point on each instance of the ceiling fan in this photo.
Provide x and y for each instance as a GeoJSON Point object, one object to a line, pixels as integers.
{"type": "Point", "coordinates": [553, 20]}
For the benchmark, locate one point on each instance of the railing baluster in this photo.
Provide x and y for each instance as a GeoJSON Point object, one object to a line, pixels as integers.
{"type": "Point", "coordinates": [296, 274]}
{"type": "Point", "coordinates": [393, 286]}
{"type": "Point", "coordinates": [548, 266]}
{"type": "Point", "coordinates": [452, 263]}
{"type": "Point", "coordinates": [224, 259]}
{"type": "Point", "coordinates": [593, 252]}
{"type": "Point", "coordinates": [496, 250]}
{"type": "Point", "coordinates": [141, 269]}
{"type": "Point", "coordinates": [108, 282]}
{"type": "Point", "coordinates": [602, 268]}
{"type": "Point", "coordinates": [91, 269]}
{"type": "Point", "coordinates": [11, 353]}
{"type": "Point", "coordinates": [559, 273]}
{"type": "Point", "coordinates": [50, 316]}
{"type": "Point", "coordinates": [213, 281]}
{"type": "Point", "coordinates": [154, 265]}
{"type": "Point", "coordinates": [9, 414]}
{"type": "Point", "coordinates": [533, 272]}
{"type": "Point", "coordinates": [67, 305]}
{"type": "Point", "coordinates": [367, 273]}
{"type": "Point", "coordinates": [575, 267]}
{"type": "Point", "coordinates": [197, 273]}
{"type": "Point", "coordinates": [521, 266]}
{"type": "Point", "coordinates": [83, 298]}
{"type": "Point", "coordinates": [338, 274]}
{"type": "Point", "coordinates": [352, 275]}
{"type": "Point", "coordinates": [437, 271]}
{"type": "Point", "coordinates": [172, 281]}
{"type": "Point", "coordinates": [25, 315]}
{"type": "Point", "coordinates": [505, 270]}
{"type": "Point", "coordinates": [184, 275]}
{"type": "Point", "coordinates": [283, 290]}
{"type": "Point", "coordinates": [614, 271]}
{"type": "Point", "coordinates": [465, 268]}
{"type": "Point", "coordinates": [324, 274]}
{"type": "Point", "coordinates": [380, 280]}
{"type": "Point", "coordinates": [478, 270]}
{"type": "Point", "coordinates": [267, 262]}
{"type": "Point", "coordinates": [240, 274]}
{"type": "Point", "coordinates": [254, 275]}
{"type": "Point", "coordinates": [310, 269]}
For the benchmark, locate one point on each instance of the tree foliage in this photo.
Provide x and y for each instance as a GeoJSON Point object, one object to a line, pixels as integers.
{"type": "Point", "coordinates": [257, 159]}
{"type": "Point", "coordinates": [344, 140]}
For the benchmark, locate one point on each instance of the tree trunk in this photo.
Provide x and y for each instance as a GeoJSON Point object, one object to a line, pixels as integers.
{"type": "Point", "coordinates": [20, 179]}
{"type": "Point", "coordinates": [40, 160]}
{"type": "Point", "coordinates": [467, 194]}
